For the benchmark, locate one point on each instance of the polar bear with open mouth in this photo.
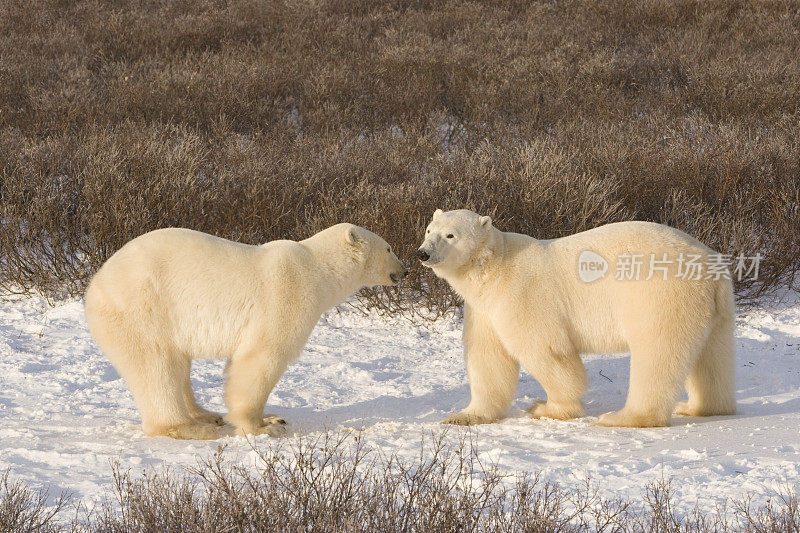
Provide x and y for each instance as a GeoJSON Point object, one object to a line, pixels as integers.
{"type": "Point", "coordinates": [541, 304]}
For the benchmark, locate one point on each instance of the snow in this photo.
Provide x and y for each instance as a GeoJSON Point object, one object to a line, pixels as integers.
{"type": "Point", "coordinates": [67, 416]}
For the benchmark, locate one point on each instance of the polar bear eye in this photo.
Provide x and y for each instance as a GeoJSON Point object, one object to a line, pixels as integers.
{"type": "Point", "coordinates": [450, 236]}
{"type": "Point", "coordinates": [388, 249]}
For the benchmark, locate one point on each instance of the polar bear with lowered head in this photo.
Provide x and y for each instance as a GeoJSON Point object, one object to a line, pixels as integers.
{"type": "Point", "coordinates": [173, 295]}
{"type": "Point", "coordinates": [526, 304]}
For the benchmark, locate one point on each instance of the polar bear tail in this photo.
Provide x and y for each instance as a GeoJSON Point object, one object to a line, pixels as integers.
{"type": "Point", "coordinates": [712, 382]}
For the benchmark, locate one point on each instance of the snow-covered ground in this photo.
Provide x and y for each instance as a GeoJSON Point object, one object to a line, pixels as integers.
{"type": "Point", "coordinates": [66, 415]}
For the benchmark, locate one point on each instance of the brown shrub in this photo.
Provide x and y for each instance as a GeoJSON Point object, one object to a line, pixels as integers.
{"type": "Point", "coordinates": [259, 120]}
{"type": "Point", "coordinates": [337, 483]}
{"type": "Point", "coordinates": [24, 509]}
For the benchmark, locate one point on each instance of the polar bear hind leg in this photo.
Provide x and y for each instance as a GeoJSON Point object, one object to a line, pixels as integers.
{"type": "Point", "coordinates": [155, 377]}
{"type": "Point", "coordinates": [659, 367]}
{"type": "Point", "coordinates": [655, 383]}
{"type": "Point", "coordinates": [156, 382]}
{"type": "Point", "coordinates": [666, 327]}
{"type": "Point", "coordinates": [712, 381]}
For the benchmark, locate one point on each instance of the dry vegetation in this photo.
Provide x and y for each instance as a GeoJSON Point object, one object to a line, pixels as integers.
{"type": "Point", "coordinates": [336, 484]}
{"type": "Point", "coordinates": [257, 120]}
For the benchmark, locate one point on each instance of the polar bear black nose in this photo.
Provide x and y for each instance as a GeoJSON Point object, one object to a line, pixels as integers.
{"type": "Point", "coordinates": [423, 255]}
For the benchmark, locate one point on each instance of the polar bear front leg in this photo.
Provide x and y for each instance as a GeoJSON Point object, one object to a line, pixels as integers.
{"type": "Point", "coordinates": [251, 378]}
{"type": "Point", "coordinates": [491, 372]}
{"type": "Point", "coordinates": [563, 378]}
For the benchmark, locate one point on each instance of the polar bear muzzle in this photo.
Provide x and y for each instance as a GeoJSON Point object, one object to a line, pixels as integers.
{"type": "Point", "coordinates": [397, 277]}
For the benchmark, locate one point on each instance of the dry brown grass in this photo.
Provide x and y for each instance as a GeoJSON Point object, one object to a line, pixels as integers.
{"type": "Point", "coordinates": [26, 510]}
{"type": "Point", "coordinates": [263, 120]}
{"type": "Point", "coordinates": [336, 483]}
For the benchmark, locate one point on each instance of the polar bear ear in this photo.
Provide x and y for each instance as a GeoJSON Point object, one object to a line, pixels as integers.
{"type": "Point", "coordinates": [485, 221]}
{"type": "Point", "coordinates": [353, 236]}
{"type": "Point", "coordinates": [437, 213]}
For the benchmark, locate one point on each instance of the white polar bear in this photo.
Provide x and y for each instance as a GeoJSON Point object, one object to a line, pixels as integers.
{"type": "Point", "coordinates": [525, 302]}
{"type": "Point", "coordinates": [173, 295]}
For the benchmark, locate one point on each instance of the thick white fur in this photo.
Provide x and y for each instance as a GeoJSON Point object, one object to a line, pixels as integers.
{"type": "Point", "coordinates": [524, 304]}
{"type": "Point", "coordinates": [174, 295]}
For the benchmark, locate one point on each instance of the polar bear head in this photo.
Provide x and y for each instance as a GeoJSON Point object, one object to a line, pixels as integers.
{"type": "Point", "coordinates": [379, 264]}
{"type": "Point", "coordinates": [452, 239]}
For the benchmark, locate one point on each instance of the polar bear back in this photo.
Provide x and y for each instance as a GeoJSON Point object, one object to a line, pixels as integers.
{"type": "Point", "coordinates": [602, 315]}
{"type": "Point", "coordinates": [199, 290]}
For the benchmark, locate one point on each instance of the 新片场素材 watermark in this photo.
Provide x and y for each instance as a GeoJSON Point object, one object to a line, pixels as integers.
{"type": "Point", "coordinates": [593, 266]}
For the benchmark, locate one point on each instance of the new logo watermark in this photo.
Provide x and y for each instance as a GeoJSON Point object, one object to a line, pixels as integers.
{"type": "Point", "coordinates": [593, 266]}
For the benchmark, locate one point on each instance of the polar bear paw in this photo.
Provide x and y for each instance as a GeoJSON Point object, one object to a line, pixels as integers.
{"type": "Point", "coordinates": [271, 425]}
{"type": "Point", "coordinates": [190, 431]}
{"type": "Point", "coordinates": [557, 410]}
{"type": "Point", "coordinates": [463, 418]}
{"type": "Point", "coordinates": [629, 419]}
{"type": "Point", "coordinates": [721, 409]}
{"type": "Point", "coordinates": [686, 409]}
{"type": "Point", "coordinates": [207, 417]}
